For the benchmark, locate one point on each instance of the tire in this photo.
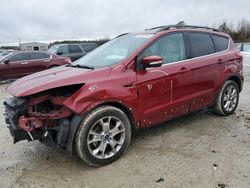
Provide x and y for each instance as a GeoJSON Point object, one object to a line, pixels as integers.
{"type": "Point", "coordinates": [103, 136]}
{"type": "Point", "coordinates": [227, 100]}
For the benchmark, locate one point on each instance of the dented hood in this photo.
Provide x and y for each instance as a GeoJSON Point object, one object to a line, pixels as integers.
{"type": "Point", "coordinates": [53, 78]}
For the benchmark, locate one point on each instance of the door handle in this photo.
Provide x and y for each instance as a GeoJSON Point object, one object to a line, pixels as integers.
{"type": "Point", "coordinates": [220, 61]}
{"type": "Point", "coordinates": [24, 63]}
{"type": "Point", "coordinates": [46, 60]}
{"type": "Point", "coordinates": [184, 69]}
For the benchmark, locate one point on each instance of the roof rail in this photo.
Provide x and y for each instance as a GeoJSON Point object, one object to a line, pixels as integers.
{"type": "Point", "coordinates": [167, 27]}
{"type": "Point", "coordinates": [122, 35]}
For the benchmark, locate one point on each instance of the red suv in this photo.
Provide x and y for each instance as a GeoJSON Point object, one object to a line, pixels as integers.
{"type": "Point", "coordinates": [134, 81]}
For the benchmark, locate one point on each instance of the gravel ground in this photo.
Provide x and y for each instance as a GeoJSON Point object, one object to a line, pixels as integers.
{"type": "Point", "coordinates": [197, 150]}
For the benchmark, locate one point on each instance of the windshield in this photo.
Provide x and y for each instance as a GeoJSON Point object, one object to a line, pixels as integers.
{"type": "Point", "coordinates": [113, 51]}
{"type": "Point", "coordinates": [53, 49]}
{"type": "Point", "coordinates": [4, 56]}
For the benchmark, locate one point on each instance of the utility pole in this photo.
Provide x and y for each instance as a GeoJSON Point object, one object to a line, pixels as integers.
{"type": "Point", "coordinates": [19, 42]}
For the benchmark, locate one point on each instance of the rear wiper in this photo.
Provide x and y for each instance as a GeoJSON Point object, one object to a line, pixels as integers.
{"type": "Point", "coordinates": [81, 66]}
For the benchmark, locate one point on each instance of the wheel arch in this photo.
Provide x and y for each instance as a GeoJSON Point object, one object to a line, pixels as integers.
{"type": "Point", "coordinates": [237, 80]}
{"type": "Point", "coordinates": [77, 119]}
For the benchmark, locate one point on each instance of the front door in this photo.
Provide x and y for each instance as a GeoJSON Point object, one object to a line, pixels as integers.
{"type": "Point", "coordinates": [17, 66]}
{"type": "Point", "coordinates": [165, 92]}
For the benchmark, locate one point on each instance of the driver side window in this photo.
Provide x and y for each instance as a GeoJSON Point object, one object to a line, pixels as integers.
{"type": "Point", "coordinates": [19, 57]}
{"type": "Point", "coordinates": [171, 48]}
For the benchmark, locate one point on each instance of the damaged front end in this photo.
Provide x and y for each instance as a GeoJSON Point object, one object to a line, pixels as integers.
{"type": "Point", "coordinates": [41, 116]}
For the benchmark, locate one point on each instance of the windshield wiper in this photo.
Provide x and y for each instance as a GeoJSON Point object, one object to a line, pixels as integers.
{"type": "Point", "coordinates": [80, 66]}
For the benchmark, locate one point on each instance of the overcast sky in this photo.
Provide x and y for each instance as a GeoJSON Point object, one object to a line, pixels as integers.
{"type": "Point", "coordinates": [45, 20]}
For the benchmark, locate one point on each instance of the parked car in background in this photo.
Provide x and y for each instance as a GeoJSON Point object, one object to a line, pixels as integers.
{"type": "Point", "coordinates": [245, 50]}
{"type": "Point", "coordinates": [88, 47]}
{"type": "Point", "coordinates": [73, 51]}
{"type": "Point", "coordinates": [134, 81]}
{"type": "Point", "coordinates": [18, 64]}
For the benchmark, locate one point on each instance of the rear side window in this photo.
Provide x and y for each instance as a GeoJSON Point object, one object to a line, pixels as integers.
{"type": "Point", "coordinates": [89, 47]}
{"type": "Point", "coordinates": [19, 57]}
{"type": "Point", "coordinates": [201, 44]}
{"type": "Point", "coordinates": [75, 49]}
{"type": "Point", "coordinates": [221, 43]}
{"type": "Point", "coordinates": [39, 56]}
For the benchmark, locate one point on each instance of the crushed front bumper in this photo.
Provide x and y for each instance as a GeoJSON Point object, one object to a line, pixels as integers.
{"type": "Point", "coordinates": [14, 108]}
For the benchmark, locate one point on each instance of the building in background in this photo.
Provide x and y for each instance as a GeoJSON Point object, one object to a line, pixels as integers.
{"type": "Point", "coordinates": [29, 46]}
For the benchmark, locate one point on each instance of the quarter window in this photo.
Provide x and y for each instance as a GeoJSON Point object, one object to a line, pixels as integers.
{"type": "Point", "coordinates": [171, 48]}
{"type": "Point", "coordinates": [221, 43]}
{"type": "Point", "coordinates": [202, 44]}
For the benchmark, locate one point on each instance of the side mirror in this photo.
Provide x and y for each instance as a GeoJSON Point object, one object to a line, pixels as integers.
{"type": "Point", "coordinates": [59, 53]}
{"type": "Point", "coordinates": [152, 61]}
{"type": "Point", "coordinates": [6, 61]}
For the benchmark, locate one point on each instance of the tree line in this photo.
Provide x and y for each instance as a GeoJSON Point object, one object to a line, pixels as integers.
{"type": "Point", "coordinates": [99, 41]}
{"type": "Point", "coordinates": [239, 33]}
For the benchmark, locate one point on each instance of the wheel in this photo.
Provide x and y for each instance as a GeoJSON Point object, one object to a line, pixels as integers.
{"type": "Point", "coordinates": [103, 136]}
{"type": "Point", "coordinates": [228, 98]}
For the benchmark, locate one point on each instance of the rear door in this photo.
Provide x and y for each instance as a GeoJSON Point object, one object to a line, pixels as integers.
{"type": "Point", "coordinates": [164, 92]}
{"type": "Point", "coordinates": [208, 65]}
{"type": "Point", "coordinates": [17, 67]}
{"type": "Point", "coordinates": [39, 61]}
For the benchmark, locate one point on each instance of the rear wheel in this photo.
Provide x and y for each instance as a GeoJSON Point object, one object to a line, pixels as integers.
{"type": "Point", "coordinates": [228, 98]}
{"type": "Point", "coordinates": [103, 136]}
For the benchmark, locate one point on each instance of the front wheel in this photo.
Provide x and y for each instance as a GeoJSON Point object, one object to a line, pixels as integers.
{"type": "Point", "coordinates": [103, 136]}
{"type": "Point", "coordinates": [228, 98]}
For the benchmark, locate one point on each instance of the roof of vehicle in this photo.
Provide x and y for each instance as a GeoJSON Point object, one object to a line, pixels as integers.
{"type": "Point", "coordinates": [167, 28]}
{"type": "Point", "coordinates": [65, 44]}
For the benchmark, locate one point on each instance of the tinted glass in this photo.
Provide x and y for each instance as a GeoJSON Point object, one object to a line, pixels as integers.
{"type": "Point", "coordinates": [171, 48]}
{"type": "Point", "coordinates": [202, 44]}
{"type": "Point", "coordinates": [63, 49]}
{"type": "Point", "coordinates": [75, 49]}
{"type": "Point", "coordinates": [89, 46]}
{"type": "Point", "coordinates": [39, 56]}
{"type": "Point", "coordinates": [221, 43]}
{"type": "Point", "coordinates": [246, 47]}
{"type": "Point", "coordinates": [19, 57]}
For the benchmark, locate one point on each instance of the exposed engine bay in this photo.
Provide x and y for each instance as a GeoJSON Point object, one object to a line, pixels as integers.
{"type": "Point", "coordinates": [41, 116]}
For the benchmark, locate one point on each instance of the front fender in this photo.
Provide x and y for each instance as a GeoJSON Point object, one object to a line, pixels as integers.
{"type": "Point", "coordinates": [91, 95]}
